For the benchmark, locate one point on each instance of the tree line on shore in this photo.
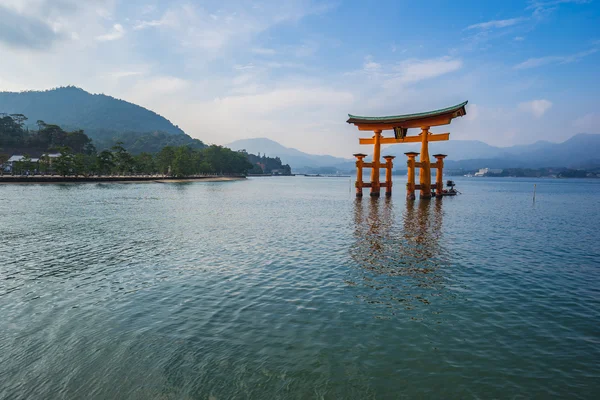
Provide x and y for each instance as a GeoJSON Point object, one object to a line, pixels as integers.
{"type": "Point", "coordinates": [178, 161]}
{"type": "Point", "coordinates": [75, 154]}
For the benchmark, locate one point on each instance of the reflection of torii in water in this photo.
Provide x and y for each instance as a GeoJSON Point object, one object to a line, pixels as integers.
{"type": "Point", "coordinates": [380, 239]}
{"type": "Point", "coordinates": [400, 260]}
{"type": "Point", "coordinates": [423, 227]}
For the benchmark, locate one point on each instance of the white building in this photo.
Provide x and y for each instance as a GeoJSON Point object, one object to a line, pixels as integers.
{"type": "Point", "coordinates": [10, 163]}
{"type": "Point", "coordinates": [485, 171]}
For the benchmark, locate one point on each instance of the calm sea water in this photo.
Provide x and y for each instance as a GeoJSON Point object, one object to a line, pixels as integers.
{"type": "Point", "coordinates": [290, 288]}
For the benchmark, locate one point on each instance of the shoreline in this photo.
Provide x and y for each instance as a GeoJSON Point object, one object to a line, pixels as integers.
{"type": "Point", "coordinates": [38, 179]}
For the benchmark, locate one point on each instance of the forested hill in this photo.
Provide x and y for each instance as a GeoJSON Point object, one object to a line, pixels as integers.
{"type": "Point", "coordinates": [101, 116]}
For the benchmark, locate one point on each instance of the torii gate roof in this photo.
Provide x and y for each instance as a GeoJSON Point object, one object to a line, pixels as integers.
{"type": "Point", "coordinates": [429, 118]}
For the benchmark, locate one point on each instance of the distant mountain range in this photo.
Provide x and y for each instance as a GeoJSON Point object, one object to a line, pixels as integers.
{"type": "Point", "coordinates": [298, 160]}
{"type": "Point", "coordinates": [580, 151]}
{"type": "Point", "coordinates": [104, 119]}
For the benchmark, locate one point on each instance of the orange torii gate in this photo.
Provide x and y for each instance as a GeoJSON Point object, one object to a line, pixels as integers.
{"type": "Point", "coordinates": [400, 125]}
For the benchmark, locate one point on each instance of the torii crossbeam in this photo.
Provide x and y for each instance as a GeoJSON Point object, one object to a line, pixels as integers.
{"type": "Point", "coordinates": [400, 125]}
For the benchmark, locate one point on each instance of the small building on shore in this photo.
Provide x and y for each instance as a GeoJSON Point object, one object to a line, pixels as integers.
{"type": "Point", "coordinates": [13, 163]}
{"type": "Point", "coordinates": [486, 171]}
{"type": "Point", "coordinates": [21, 164]}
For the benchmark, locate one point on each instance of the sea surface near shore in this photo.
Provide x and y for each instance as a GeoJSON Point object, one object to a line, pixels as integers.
{"type": "Point", "coordinates": [290, 288]}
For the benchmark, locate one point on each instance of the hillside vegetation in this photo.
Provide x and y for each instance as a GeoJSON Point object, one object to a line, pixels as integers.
{"type": "Point", "coordinates": [74, 108]}
{"type": "Point", "coordinates": [105, 119]}
{"type": "Point", "coordinates": [77, 154]}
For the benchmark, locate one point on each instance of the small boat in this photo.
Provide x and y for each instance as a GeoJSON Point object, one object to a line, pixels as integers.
{"type": "Point", "coordinates": [451, 191]}
{"type": "Point", "coordinates": [447, 192]}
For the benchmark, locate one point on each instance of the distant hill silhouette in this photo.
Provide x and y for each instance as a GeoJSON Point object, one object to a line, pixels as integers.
{"type": "Point", "coordinates": [298, 160]}
{"type": "Point", "coordinates": [580, 151]}
{"type": "Point", "coordinates": [104, 119]}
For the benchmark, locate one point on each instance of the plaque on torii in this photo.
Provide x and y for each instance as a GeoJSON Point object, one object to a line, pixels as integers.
{"type": "Point", "coordinates": [400, 124]}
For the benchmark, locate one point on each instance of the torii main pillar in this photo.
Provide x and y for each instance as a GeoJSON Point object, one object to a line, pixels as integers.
{"type": "Point", "coordinates": [425, 170]}
{"type": "Point", "coordinates": [375, 184]}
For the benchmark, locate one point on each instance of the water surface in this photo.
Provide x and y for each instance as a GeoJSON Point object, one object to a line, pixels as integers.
{"type": "Point", "coordinates": [291, 288]}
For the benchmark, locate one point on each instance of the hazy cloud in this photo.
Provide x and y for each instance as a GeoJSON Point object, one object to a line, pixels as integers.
{"type": "Point", "coordinates": [306, 49]}
{"type": "Point", "coordinates": [542, 8]}
{"type": "Point", "coordinates": [540, 61]}
{"type": "Point", "coordinates": [125, 74]}
{"type": "Point", "coordinates": [501, 23]}
{"type": "Point", "coordinates": [589, 123]}
{"type": "Point", "coordinates": [149, 24]}
{"type": "Point", "coordinates": [21, 31]}
{"type": "Point", "coordinates": [231, 23]}
{"type": "Point", "coordinates": [240, 67]}
{"type": "Point", "coordinates": [536, 107]}
{"type": "Point", "coordinates": [263, 51]}
{"type": "Point", "coordinates": [413, 71]}
{"type": "Point", "coordinates": [371, 66]}
{"type": "Point", "coordinates": [472, 112]}
{"type": "Point", "coordinates": [117, 32]}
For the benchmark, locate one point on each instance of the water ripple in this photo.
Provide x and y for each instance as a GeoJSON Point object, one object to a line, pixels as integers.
{"type": "Point", "coordinates": [290, 288]}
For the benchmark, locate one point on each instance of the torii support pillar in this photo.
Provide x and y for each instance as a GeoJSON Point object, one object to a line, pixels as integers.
{"type": "Point", "coordinates": [425, 171]}
{"type": "Point", "coordinates": [375, 164]}
{"type": "Point", "coordinates": [359, 173]}
{"type": "Point", "coordinates": [388, 174]}
{"type": "Point", "coordinates": [410, 185]}
{"type": "Point", "coordinates": [439, 177]}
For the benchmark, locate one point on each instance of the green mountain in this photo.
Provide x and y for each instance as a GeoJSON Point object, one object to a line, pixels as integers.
{"type": "Point", "coordinates": [74, 108]}
{"type": "Point", "coordinates": [105, 119]}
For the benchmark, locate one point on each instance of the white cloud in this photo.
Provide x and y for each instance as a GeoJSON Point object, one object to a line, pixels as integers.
{"type": "Point", "coordinates": [536, 107]}
{"type": "Point", "coordinates": [542, 8]}
{"type": "Point", "coordinates": [275, 64]}
{"type": "Point", "coordinates": [413, 71]}
{"type": "Point", "coordinates": [231, 23]}
{"type": "Point", "coordinates": [540, 61]}
{"type": "Point", "coordinates": [117, 32]}
{"type": "Point", "coordinates": [472, 112]}
{"type": "Point", "coordinates": [371, 66]}
{"type": "Point", "coordinates": [294, 115]}
{"type": "Point", "coordinates": [501, 23]}
{"type": "Point", "coordinates": [149, 24]}
{"type": "Point", "coordinates": [273, 101]}
{"type": "Point", "coordinates": [589, 123]}
{"type": "Point", "coordinates": [243, 67]}
{"type": "Point", "coordinates": [148, 9]}
{"type": "Point", "coordinates": [263, 51]}
{"type": "Point", "coordinates": [147, 90]}
{"type": "Point", "coordinates": [306, 49]}
{"type": "Point", "coordinates": [126, 74]}
{"type": "Point", "coordinates": [518, 38]}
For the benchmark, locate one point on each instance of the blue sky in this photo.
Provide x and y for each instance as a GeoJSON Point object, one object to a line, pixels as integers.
{"type": "Point", "coordinates": [292, 70]}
